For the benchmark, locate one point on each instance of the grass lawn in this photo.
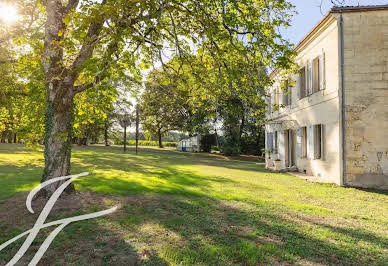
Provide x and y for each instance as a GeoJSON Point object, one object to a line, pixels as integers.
{"type": "Point", "coordinates": [189, 209]}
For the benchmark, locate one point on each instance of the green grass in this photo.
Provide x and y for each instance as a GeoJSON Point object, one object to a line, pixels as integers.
{"type": "Point", "coordinates": [189, 209]}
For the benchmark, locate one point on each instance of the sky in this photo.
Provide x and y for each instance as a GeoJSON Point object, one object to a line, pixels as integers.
{"type": "Point", "coordinates": [309, 14]}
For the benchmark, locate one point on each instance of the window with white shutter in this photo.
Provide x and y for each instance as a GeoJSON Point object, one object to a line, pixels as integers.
{"type": "Point", "coordinates": [275, 143]}
{"type": "Point", "coordinates": [302, 83]}
{"type": "Point", "coordinates": [299, 142]}
{"type": "Point", "coordinates": [322, 72]}
{"type": "Point", "coordinates": [269, 141]}
{"type": "Point", "coordinates": [310, 142]}
{"type": "Point", "coordinates": [269, 105]}
{"type": "Point", "coordinates": [286, 93]}
{"type": "Point", "coordinates": [304, 141]}
{"type": "Point", "coordinates": [316, 74]}
{"type": "Point", "coordinates": [310, 78]}
{"type": "Point", "coordinates": [318, 141]}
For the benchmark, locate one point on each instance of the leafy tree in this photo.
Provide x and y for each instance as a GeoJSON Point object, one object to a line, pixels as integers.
{"type": "Point", "coordinates": [92, 110]}
{"type": "Point", "coordinates": [162, 107]}
{"type": "Point", "coordinates": [88, 43]}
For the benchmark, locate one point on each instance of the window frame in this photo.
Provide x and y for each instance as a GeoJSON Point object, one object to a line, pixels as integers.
{"type": "Point", "coordinates": [275, 143]}
{"type": "Point", "coordinates": [302, 85]}
{"type": "Point", "coordinates": [318, 142]}
{"type": "Point", "coordinates": [304, 142]}
{"type": "Point", "coordinates": [287, 93]}
{"type": "Point", "coordinates": [316, 72]}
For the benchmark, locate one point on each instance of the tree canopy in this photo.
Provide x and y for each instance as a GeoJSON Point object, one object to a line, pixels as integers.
{"type": "Point", "coordinates": [71, 55]}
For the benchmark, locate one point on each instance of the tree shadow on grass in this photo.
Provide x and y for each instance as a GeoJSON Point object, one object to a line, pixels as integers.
{"type": "Point", "coordinates": [88, 242]}
{"type": "Point", "coordinates": [233, 233]}
{"type": "Point", "coordinates": [188, 230]}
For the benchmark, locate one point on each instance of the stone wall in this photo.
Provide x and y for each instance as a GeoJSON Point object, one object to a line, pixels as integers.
{"type": "Point", "coordinates": [366, 98]}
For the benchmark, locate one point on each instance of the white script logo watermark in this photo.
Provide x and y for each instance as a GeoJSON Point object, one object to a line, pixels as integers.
{"type": "Point", "coordinates": [40, 222]}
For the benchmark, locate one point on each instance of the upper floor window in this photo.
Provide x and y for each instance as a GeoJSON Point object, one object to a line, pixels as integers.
{"type": "Point", "coordinates": [317, 65]}
{"type": "Point", "coordinates": [276, 92]}
{"type": "Point", "coordinates": [269, 104]}
{"type": "Point", "coordinates": [286, 93]}
{"type": "Point", "coordinates": [312, 77]}
{"type": "Point", "coordinates": [302, 80]}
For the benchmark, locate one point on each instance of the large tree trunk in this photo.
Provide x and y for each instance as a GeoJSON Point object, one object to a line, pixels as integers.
{"type": "Point", "coordinates": [125, 139]}
{"type": "Point", "coordinates": [106, 132]}
{"type": "Point", "coordinates": [59, 120]}
{"type": "Point", "coordinates": [60, 89]}
{"type": "Point", "coordinates": [3, 136]}
{"type": "Point", "coordinates": [160, 139]}
{"type": "Point", "coordinates": [10, 137]}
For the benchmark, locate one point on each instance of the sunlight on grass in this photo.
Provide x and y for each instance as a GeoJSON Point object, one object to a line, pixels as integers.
{"type": "Point", "coordinates": [194, 209]}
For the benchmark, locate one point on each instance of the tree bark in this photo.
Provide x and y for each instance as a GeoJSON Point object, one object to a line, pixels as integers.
{"type": "Point", "coordinates": [10, 137]}
{"type": "Point", "coordinates": [61, 90]}
{"type": "Point", "coordinates": [160, 139]}
{"type": "Point", "coordinates": [59, 106]}
{"type": "Point", "coordinates": [3, 136]}
{"type": "Point", "coordinates": [59, 121]}
{"type": "Point", "coordinates": [137, 127]}
{"type": "Point", "coordinates": [106, 132]}
{"type": "Point", "coordinates": [125, 139]}
{"type": "Point", "coordinates": [15, 138]}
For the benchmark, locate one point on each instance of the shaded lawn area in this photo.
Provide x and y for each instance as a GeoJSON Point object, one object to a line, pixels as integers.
{"type": "Point", "coordinates": [192, 209]}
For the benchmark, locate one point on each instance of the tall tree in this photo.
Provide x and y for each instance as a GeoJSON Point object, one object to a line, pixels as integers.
{"type": "Point", "coordinates": [161, 107]}
{"type": "Point", "coordinates": [85, 38]}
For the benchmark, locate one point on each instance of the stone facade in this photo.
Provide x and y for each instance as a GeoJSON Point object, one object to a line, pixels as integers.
{"type": "Point", "coordinates": [366, 98]}
{"type": "Point", "coordinates": [334, 123]}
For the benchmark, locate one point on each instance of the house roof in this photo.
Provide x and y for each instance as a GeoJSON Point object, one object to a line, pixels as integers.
{"type": "Point", "coordinates": [337, 9]}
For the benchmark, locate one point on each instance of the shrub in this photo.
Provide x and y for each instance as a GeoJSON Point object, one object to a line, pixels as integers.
{"type": "Point", "coordinates": [207, 141]}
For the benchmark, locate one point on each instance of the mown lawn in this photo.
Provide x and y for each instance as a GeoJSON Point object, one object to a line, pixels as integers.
{"type": "Point", "coordinates": [189, 209]}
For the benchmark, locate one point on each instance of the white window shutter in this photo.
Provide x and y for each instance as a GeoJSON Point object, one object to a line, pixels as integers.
{"type": "Point", "coordinates": [269, 141]}
{"type": "Point", "coordinates": [298, 85]}
{"type": "Point", "coordinates": [307, 80]}
{"type": "Point", "coordinates": [316, 142]}
{"type": "Point", "coordinates": [310, 77]}
{"type": "Point", "coordinates": [299, 142]}
{"type": "Point", "coordinates": [310, 142]}
{"type": "Point", "coordinates": [322, 79]}
{"type": "Point", "coordinates": [323, 139]}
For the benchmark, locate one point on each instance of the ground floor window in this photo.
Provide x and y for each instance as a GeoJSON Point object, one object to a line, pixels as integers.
{"type": "Point", "coordinates": [275, 146]}
{"type": "Point", "coordinates": [269, 141]}
{"type": "Point", "coordinates": [304, 141]}
{"type": "Point", "coordinates": [318, 141]}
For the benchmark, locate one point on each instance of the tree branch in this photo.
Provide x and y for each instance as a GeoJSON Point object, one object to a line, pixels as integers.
{"type": "Point", "coordinates": [88, 45]}
{"type": "Point", "coordinates": [3, 62]}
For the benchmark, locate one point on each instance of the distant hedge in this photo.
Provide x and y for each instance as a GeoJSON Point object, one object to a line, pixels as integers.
{"type": "Point", "coordinates": [146, 143]}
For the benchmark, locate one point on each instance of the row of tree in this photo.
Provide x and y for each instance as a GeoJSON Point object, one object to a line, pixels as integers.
{"type": "Point", "coordinates": [64, 61]}
{"type": "Point", "coordinates": [196, 94]}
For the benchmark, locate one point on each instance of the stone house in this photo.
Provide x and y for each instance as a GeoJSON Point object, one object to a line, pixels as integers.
{"type": "Point", "coordinates": [330, 120]}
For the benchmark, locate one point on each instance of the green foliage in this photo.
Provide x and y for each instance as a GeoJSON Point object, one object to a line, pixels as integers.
{"type": "Point", "coordinates": [162, 107]}
{"type": "Point", "coordinates": [92, 109]}
{"type": "Point", "coordinates": [146, 143]}
{"type": "Point", "coordinates": [207, 142]}
{"type": "Point", "coordinates": [219, 49]}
